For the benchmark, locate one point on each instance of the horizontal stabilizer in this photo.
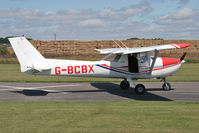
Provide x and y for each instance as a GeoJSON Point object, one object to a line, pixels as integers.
{"type": "Point", "coordinates": [36, 69]}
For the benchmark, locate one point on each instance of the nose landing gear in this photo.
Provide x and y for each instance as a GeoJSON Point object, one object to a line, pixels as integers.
{"type": "Point", "coordinates": [166, 86]}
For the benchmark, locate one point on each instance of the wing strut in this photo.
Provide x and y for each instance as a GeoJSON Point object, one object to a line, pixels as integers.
{"type": "Point", "coordinates": [123, 44]}
{"type": "Point", "coordinates": [154, 59]}
{"type": "Point", "coordinates": [117, 44]}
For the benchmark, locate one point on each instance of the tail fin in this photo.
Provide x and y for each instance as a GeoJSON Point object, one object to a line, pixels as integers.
{"type": "Point", "coordinates": [28, 56]}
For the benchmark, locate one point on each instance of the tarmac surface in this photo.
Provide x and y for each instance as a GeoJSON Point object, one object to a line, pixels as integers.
{"type": "Point", "coordinates": [182, 91]}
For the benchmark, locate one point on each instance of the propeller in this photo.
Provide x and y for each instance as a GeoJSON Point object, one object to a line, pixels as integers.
{"type": "Point", "coordinates": [183, 56]}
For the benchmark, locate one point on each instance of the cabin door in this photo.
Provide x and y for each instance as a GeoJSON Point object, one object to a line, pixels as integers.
{"type": "Point", "coordinates": [133, 63]}
{"type": "Point", "coordinates": [139, 62]}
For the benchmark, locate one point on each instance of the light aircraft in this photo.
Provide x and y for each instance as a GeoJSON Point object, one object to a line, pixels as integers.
{"type": "Point", "coordinates": [128, 63]}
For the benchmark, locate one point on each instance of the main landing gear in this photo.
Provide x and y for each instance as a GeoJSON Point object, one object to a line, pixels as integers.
{"type": "Point", "coordinates": [124, 84]}
{"type": "Point", "coordinates": [139, 89]}
{"type": "Point", "coordinates": [166, 86]}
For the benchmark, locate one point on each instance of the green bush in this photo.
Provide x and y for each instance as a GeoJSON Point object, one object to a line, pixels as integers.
{"type": "Point", "coordinates": [3, 50]}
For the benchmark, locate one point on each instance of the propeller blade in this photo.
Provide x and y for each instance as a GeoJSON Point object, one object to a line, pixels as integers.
{"type": "Point", "coordinates": [183, 56]}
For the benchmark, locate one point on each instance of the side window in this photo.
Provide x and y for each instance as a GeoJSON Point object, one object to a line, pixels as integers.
{"type": "Point", "coordinates": [143, 57]}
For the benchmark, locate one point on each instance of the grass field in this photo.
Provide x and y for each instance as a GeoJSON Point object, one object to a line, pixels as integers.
{"type": "Point", "coordinates": [99, 117]}
{"type": "Point", "coordinates": [11, 73]}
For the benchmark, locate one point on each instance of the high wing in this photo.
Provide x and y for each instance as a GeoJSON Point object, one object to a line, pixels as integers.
{"type": "Point", "coordinates": [142, 49]}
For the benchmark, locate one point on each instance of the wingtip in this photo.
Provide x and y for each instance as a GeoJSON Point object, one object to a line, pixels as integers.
{"type": "Point", "coordinates": [183, 45]}
{"type": "Point", "coordinates": [99, 50]}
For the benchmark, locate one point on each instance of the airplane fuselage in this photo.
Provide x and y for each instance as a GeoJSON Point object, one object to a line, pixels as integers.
{"type": "Point", "coordinates": [163, 67]}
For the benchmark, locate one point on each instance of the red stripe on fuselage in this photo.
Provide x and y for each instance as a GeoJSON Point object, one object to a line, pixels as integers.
{"type": "Point", "coordinates": [123, 67]}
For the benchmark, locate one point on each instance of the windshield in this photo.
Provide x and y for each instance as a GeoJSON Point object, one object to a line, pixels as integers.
{"type": "Point", "coordinates": [112, 57]}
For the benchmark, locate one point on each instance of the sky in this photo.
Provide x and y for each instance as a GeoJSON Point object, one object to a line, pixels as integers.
{"type": "Point", "coordinates": [100, 19]}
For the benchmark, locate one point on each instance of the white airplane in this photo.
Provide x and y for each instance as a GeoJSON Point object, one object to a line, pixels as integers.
{"type": "Point", "coordinates": [128, 63]}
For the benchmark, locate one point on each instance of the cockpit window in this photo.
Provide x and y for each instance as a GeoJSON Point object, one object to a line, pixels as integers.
{"type": "Point", "coordinates": [117, 57]}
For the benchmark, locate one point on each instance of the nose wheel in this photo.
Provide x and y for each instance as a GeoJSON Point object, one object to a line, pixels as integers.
{"type": "Point", "coordinates": [166, 86]}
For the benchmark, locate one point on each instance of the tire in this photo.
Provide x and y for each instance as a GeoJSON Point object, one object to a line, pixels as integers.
{"type": "Point", "coordinates": [166, 86]}
{"type": "Point", "coordinates": [140, 89]}
{"type": "Point", "coordinates": [124, 85]}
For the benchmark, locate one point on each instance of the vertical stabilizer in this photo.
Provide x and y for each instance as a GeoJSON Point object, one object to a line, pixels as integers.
{"type": "Point", "coordinates": [28, 56]}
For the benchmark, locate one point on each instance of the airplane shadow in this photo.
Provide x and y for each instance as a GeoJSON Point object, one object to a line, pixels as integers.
{"type": "Point", "coordinates": [44, 93]}
{"type": "Point", "coordinates": [156, 89]}
{"type": "Point", "coordinates": [111, 88]}
{"type": "Point", "coordinates": [32, 92]}
{"type": "Point", "coordinates": [116, 90]}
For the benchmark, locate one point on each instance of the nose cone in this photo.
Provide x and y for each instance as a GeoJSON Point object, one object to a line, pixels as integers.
{"type": "Point", "coordinates": [170, 62]}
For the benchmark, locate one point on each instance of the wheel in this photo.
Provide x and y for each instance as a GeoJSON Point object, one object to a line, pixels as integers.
{"type": "Point", "coordinates": [166, 86]}
{"type": "Point", "coordinates": [140, 89]}
{"type": "Point", "coordinates": [124, 85]}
